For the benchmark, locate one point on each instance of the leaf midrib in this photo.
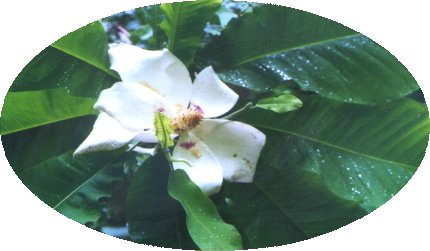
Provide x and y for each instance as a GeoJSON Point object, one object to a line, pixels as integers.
{"type": "Point", "coordinates": [295, 134]}
{"type": "Point", "coordinates": [84, 183]}
{"type": "Point", "coordinates": [6, 132]}
{"type": "Point", "coordinates": [294, 48]}
{"type": "Point", "coordinates": [175, 27]}
{"type": "Point", "coordinates": [203, 225]}
{"type": "Point", "coordinates": [259, 187]}
{"type": "Point", "coordinates": [84, 60]}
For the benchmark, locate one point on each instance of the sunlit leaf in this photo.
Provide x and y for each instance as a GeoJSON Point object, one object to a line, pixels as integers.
{"type": "Point", "coordinates": [25, 110]}
{"type": "Point", "coordinates": [280, 104]}
{"type": "Point", "coordinates": [77, 62]}
{"type": "Point", "coordinates": [184, 23]}
{"type": "Point", "coordinates": [95, 50]}
{"type": "Point", "coordinates": [163, 129]}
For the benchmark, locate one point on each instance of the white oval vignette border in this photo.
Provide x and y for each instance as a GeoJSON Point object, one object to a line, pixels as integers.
{"type": "Point", "coordinates": [30, 26]}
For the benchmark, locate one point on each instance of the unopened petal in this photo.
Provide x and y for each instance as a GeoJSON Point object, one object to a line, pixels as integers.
{"type": "Point", "coordinates": [210, 95]}
{"type": "Point", "coordinates": [107, 134]}
{"type": "Point", "coordinates": [205, 171]}
{"type": "Point", "coordinates": [159, 70]}
{"type": "Point", "coordinates": [142, 150]}
{"type": "Point", "coordinates": [147, 137]}
{"type": "Point", "coordinates": [131, 104]}
{"type": "Point", "coordinates": [235, 145]}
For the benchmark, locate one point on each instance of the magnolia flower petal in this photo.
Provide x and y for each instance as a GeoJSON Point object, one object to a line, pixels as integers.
{"type": "Point", "coordinates": [210, 95]}
{"type": "Point", "coordinates": [205, 170]}
{"type": "Point", "coordinates": [133, 105]}
{"type": "Point", "coordinates": [159, 70]}
{"type": "Point", "coordinates": [107, 134]}
{"type": "Point", "coordinates": [236, 146]}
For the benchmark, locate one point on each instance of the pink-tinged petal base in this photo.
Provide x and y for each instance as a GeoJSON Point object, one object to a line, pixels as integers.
{"type": "Point", "coordinates": [210, 95]}
{"type": "Point", "coordinates": [205, 170]}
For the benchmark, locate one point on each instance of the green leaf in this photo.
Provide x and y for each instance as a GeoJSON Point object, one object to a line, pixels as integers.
{"type": "Point", "coordinates": [73, 185]}
{"type": "Point", "coordinates": [89, 44]}
{"type": "Point", "coordinates": [205, 225]}
{"type": "Point", "coordinates": [184, 23]}
{"type": "Point", "coordinates": [365, 154]}
{"type": "Point", "coordinates": [268, 30]}
{"type": "Point", "coordinates": [275, 44]}
{"type": "Point", "coordinates": [23, 149]}
{"type": "Point", "coordinates": [280, 104]}
{"type": "Point", "coordinates": [352, 69]}
{"type": "Point", "coordinates": [285, 203]}
{"type": "Point", "coordinates": [77, 62]}
{"type": "Point", "coordinates": [153, 217]}
{"type": "Point", "coordinates": [153, 16]}
{"type": "Point", "coordinates": [25, 110]}
{"type": "Point", "coordinates": [163, 129]}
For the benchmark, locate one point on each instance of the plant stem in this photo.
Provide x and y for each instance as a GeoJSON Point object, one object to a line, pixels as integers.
{"type": "Point", "coordinates": [234, 114]}
{"type": "Point", "coordinates": [171, 160]}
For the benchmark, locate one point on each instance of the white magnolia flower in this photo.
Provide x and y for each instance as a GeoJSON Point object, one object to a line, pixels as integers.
{"type": "Point", "coordinates": [156, 81]}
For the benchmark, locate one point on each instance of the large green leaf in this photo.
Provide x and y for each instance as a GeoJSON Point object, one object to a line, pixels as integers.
{"type": "Point", "coordinates": [205, 225]}
{"type": "Point", "coordinates": [365, 154]}
{"type": "Point", "coordinates": [184, 23]}
{"type": "Point", "coordinates": [154, 218]}
{"type": "Point", "coordinates": [71, 184]}
{"type": "Point", "coordinates": [95, 50]}
{"type": "Point", "coordinates": [285, 203]}
{"type": "Point", "coordinates": [77, 62]}
{"type": "Point", "coordinates": [23, 149]}
{"type": "Point", "coordinates": [268, 30]}
{"type": "Point", "coordinates": [25, 110]}
{"type": "Point", "coordinates": [276, 44]}
{"type": "Point", "coordinates": [352, 69]}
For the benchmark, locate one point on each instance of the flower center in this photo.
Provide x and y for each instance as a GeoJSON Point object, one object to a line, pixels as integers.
{"type": "Point", "coordinates": [186, 120]}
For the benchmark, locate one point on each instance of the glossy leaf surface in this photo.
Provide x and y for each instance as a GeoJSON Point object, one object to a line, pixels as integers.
{"type": "Point", "coordinates": [274, 44]}
{"type": "Point", "coordinates": [72, 185]}
{"type": "Point", "coordinates": [77, 62]}
{"type": "Point", "coordinates": [268, 30]}
{"type": "Point", "coordinates": [352, 69]}
{"type": "Point", "coordinates": [285, 203]}
{"type": "Point", "coordinates": [363, 153]}
{"type": "Point", "coordinates": [205, 225]}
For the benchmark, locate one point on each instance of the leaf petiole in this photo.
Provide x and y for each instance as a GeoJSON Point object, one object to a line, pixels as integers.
{"type": "Point", "coordinates": [234, 114]}
{"type": "Point", "coordinates": [171, 159]}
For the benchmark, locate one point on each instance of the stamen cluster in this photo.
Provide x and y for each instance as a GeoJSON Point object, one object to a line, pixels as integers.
{"type": "Point", "coordinates": [186, 120]}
